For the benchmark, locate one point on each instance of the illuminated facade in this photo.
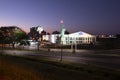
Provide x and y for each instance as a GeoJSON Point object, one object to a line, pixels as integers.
{"type": "Point", "coordinates": [73, 38]}
{"type": "Point", "coordinates": [63, 38]}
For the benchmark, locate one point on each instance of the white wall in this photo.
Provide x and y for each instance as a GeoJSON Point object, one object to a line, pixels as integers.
{"type": "Point", "coordinates": [74, 38]}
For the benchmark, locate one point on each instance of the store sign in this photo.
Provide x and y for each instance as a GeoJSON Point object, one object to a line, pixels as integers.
{"type": "Point", "coordinates": [80, 33]}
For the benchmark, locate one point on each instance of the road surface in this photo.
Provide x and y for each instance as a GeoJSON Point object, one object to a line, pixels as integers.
{"type": "Point", "coordinates": [102, 58]}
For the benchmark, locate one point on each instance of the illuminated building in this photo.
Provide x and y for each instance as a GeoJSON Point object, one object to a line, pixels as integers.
{"type": "Point", "coordinates": [68, 39]}
{"type": "Point", "coordinates": [73, 38]}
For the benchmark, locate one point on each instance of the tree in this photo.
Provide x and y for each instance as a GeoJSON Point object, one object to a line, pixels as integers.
{"type": "Point", "coordinates": [17, 37]}
{"type": "Point", "coordinates": [66, 32]}
{"type": "Point", "coordinates": [41, 35]}
{"type": "Point", "coordinates": [33, 34]}
{"type": "Point", "coordinates": [1, 36]}
{"type": "Point", "coordinates": [118, 35]}
{"type": "Point", "coordinates": [43, 32]}
{"type": "Point", "coordinates": [55, 32]}
{"type": "Point", "coordinates": [11, 34]}
{"type": "Point", "coordinates": [48, 33]}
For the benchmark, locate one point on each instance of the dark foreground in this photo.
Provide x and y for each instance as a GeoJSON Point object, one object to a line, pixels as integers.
{"type": "Point", "coordinates": [19, 68]}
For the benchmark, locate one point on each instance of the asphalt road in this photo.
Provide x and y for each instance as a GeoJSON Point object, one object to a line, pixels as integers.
{"type": "Point", "coordinates": [102, 58]}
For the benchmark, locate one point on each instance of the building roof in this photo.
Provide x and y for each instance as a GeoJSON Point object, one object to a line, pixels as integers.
{"type": "Point", "coordinates": [81, 34]}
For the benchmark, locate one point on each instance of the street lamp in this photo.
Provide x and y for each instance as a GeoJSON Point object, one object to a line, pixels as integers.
{"type": "Point", "coordinates": [61, 55]}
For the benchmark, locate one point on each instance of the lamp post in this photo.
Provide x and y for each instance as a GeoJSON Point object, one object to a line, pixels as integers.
{"type": "Point", "coordinates": [61, 55]}
{"type": "Point", "coordinates": [62, 39]}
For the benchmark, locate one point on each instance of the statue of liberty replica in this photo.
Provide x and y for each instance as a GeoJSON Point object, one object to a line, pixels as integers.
{"type": "Point", "coordinates": [62, 33]}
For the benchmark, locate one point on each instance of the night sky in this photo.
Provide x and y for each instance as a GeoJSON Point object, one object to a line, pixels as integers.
{"type": "Point", "coordinates": [91, 16]}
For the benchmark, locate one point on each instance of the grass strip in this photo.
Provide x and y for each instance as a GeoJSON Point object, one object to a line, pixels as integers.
{"type": "Point", "coordinates": [96, 72]}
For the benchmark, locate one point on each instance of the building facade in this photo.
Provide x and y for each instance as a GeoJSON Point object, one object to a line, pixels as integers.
{"type": "Point", "coordinates": [73, 38]}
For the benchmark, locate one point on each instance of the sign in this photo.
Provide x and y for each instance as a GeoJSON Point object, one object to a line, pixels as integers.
{"type": "Point", "coordinates": [80, 33]}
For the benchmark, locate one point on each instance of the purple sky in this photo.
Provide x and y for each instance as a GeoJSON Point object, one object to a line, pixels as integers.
{"type": "Point", "coordinates": [92, 16]}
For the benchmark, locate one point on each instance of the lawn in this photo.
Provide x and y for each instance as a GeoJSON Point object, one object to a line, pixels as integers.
{"type": "Point", "coordinates": [11, 71]}
{"type": "Point", "coordinates": [22, 68]}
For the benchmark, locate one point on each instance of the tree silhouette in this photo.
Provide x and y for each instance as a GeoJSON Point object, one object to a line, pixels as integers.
{"type": "Point", "coordinates": [66, 32]}
{"type": "Point", "coordinates": [55, 32]}
{"type": "Point", "coordinates": [11, 34]}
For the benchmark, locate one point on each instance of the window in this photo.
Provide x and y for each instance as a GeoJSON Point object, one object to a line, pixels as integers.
{"type": "Point", "coordinates": [70, 42]}
{"type": "Point", "coordinates": [77, 38]}
{"type": "Point", "coordinates": [70, 38]}
{"type": "Point", "coordinates": [88, 38]}
{"type": "Point", "coordinates": [77, 42]}
{"type": "Point", "coordinates": [80, 38]}
{"type": "Point", "coordinates": [66, 38]}
{"type": "Point", "coordinates": [83, 38]}
{"type": "Point", "coordinates": [80, 41]}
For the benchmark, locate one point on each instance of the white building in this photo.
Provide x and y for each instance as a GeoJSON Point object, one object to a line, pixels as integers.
{"type": "Point", "coordinates": [73, 38]}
